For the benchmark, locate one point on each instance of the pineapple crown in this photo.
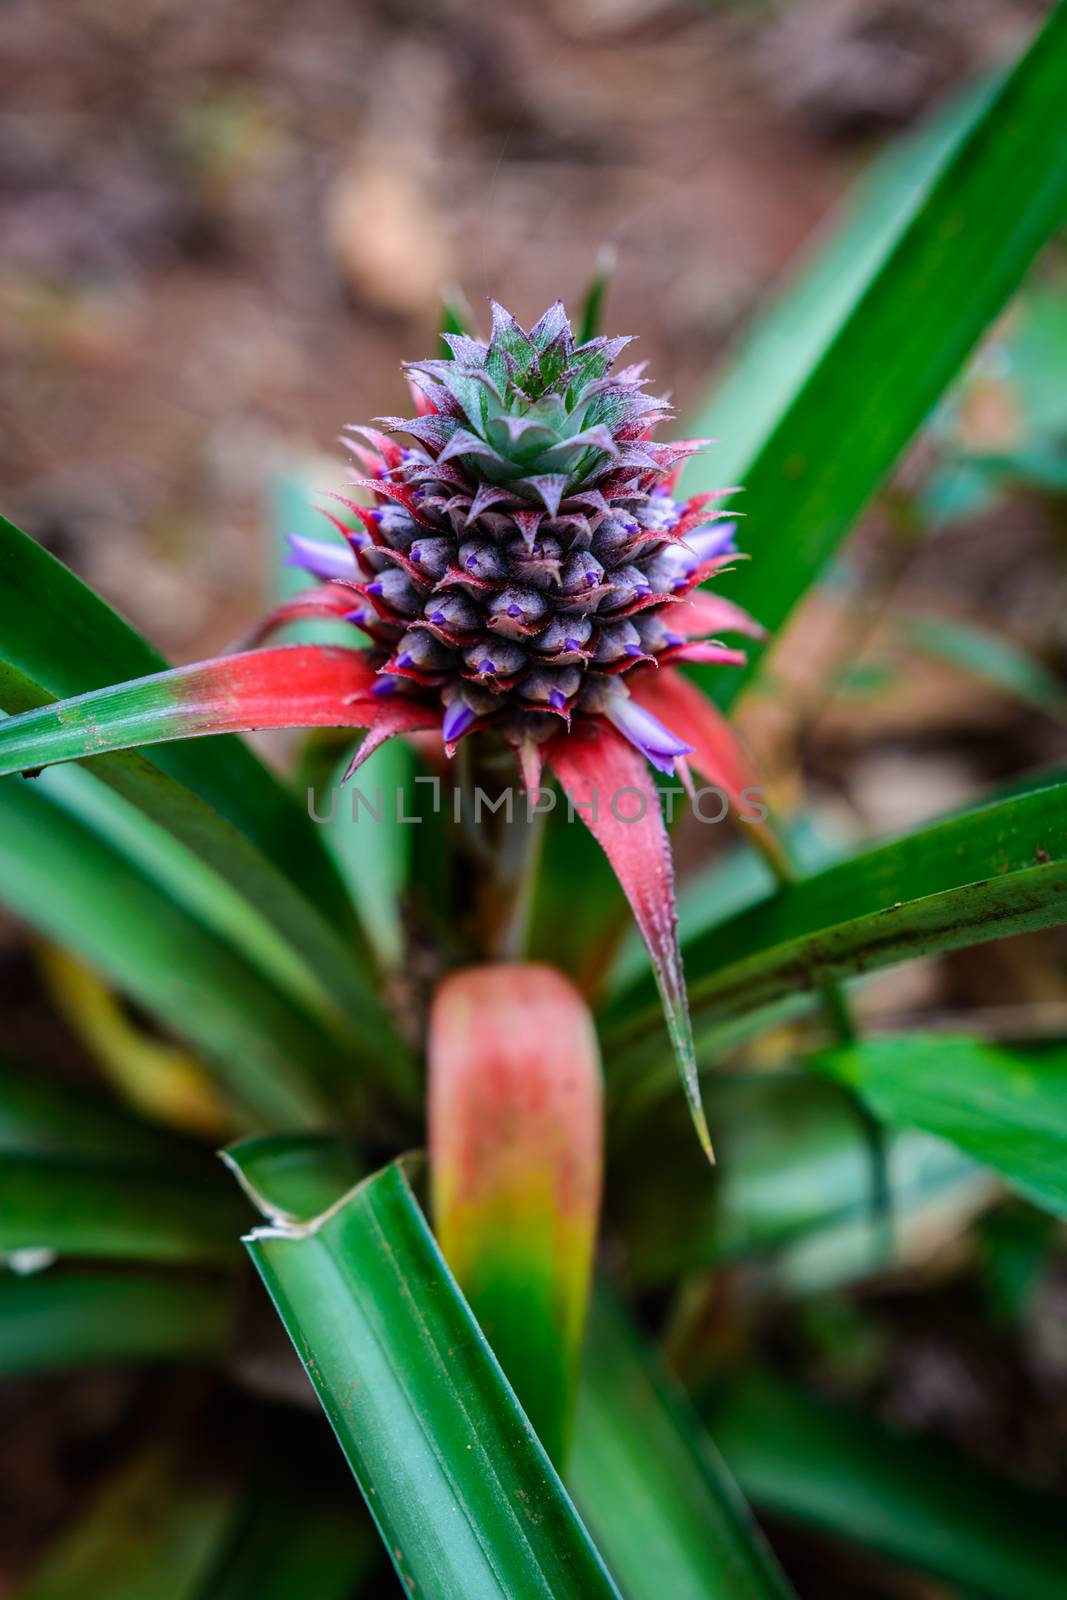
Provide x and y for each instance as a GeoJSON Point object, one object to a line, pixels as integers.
{"type": "Point", "coordinates": [525, 556]}
{"type": "Point", "coordinates": [535, 411]}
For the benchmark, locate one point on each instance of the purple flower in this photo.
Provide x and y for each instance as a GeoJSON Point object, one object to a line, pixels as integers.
{"type": "Point", "coordinates": [322, 560]}
{"type": "Point", "coordinates": [645, 732]}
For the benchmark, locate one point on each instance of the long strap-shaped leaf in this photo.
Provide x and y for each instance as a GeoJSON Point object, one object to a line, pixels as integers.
{"type": "Point", "coordinates": [58, 639]}
{"type": "Point", "coordinates": [794, 1189]}
{"type": "Point", "coordinates": [291, 686]}
{"type": "Point", "coordinates": [274, 1056]}
{"type": "Point", "coordinates": [81, 1179]}
{"type": "Point", "coordinates": [651, 1486]}
{"type": "Point", "coordinates": [998, 869]}
{"type": "Point", "coordinates": [1005, 1107]}
{"type": "Point", "coordinates": [297, 1537]}
{"type": "Point", "coordinates": [77, 1207]}
{"type": "Point", "coordinates": [45, 1115]}
{"type": "Point", "coordinates": [186, 881]}
{"type": "Point", "coordinates": [463, 1494]}
{"type": "Point", "coordinates": [57, 1319]}
{"type": "Point", "coordinates": [193, 853]}
{"type": "Point", "coordinates": [812, 437]}
{"type": "Point", "coordinates": [841, 1472]}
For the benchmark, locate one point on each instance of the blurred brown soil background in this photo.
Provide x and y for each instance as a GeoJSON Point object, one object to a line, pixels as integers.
{"type": "Point", "coordinates": [222, 227]}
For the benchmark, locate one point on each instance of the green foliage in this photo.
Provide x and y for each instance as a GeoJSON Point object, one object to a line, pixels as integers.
{"type": "Point", "coordinates": [983, 654]}
{"type": "Point", "coordinates": [58, 639]}
{"type": "Point", "coordinates": [294, 1535]}
{"type": "Point", "coordinates": [462, 1491]}
{"type": "Point", "coordinates": [865, 347]}
{"type": "Point", "coordinates": [912, 1501]}
{"type": "Point", "coordinates": [270, 1053]}
{"type": "Point", "coordinates": [794, 1189]}
{"type": "Point", "coordinates": [1007, 1108]}
{"type": "Point", "coordinates": [153, 1529]}
{"type": "Point", "coordinates": [651, 1485]}
{"type": "Point", "coordinates": [41, 660]}
{"type": "Point", "coordinates": [54, 1317]}
{"type": "Point", "coordinates": [995, 869]}
{"type": "Point", "coordinates": [83, 1207]}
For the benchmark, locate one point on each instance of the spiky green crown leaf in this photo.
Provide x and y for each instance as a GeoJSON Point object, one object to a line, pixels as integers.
{"type": "Point", "coordinates": [535, 411]}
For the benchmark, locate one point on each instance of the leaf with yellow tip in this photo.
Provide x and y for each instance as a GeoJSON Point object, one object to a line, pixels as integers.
{"type": "Point", "coordinates": [163, 1081]}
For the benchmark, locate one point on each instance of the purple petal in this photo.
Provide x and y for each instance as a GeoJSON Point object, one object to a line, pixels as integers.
{"type": "Point", "coordinates": [717, 540]}
{"type": "Point", "coordinates": [679, 561]}
{"type": "Point", "coordinates": [457, 719]}
{"type": "Point", "coordinates": [320, 559]}
{"type": "Point", "coordinates": [646, 733]}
